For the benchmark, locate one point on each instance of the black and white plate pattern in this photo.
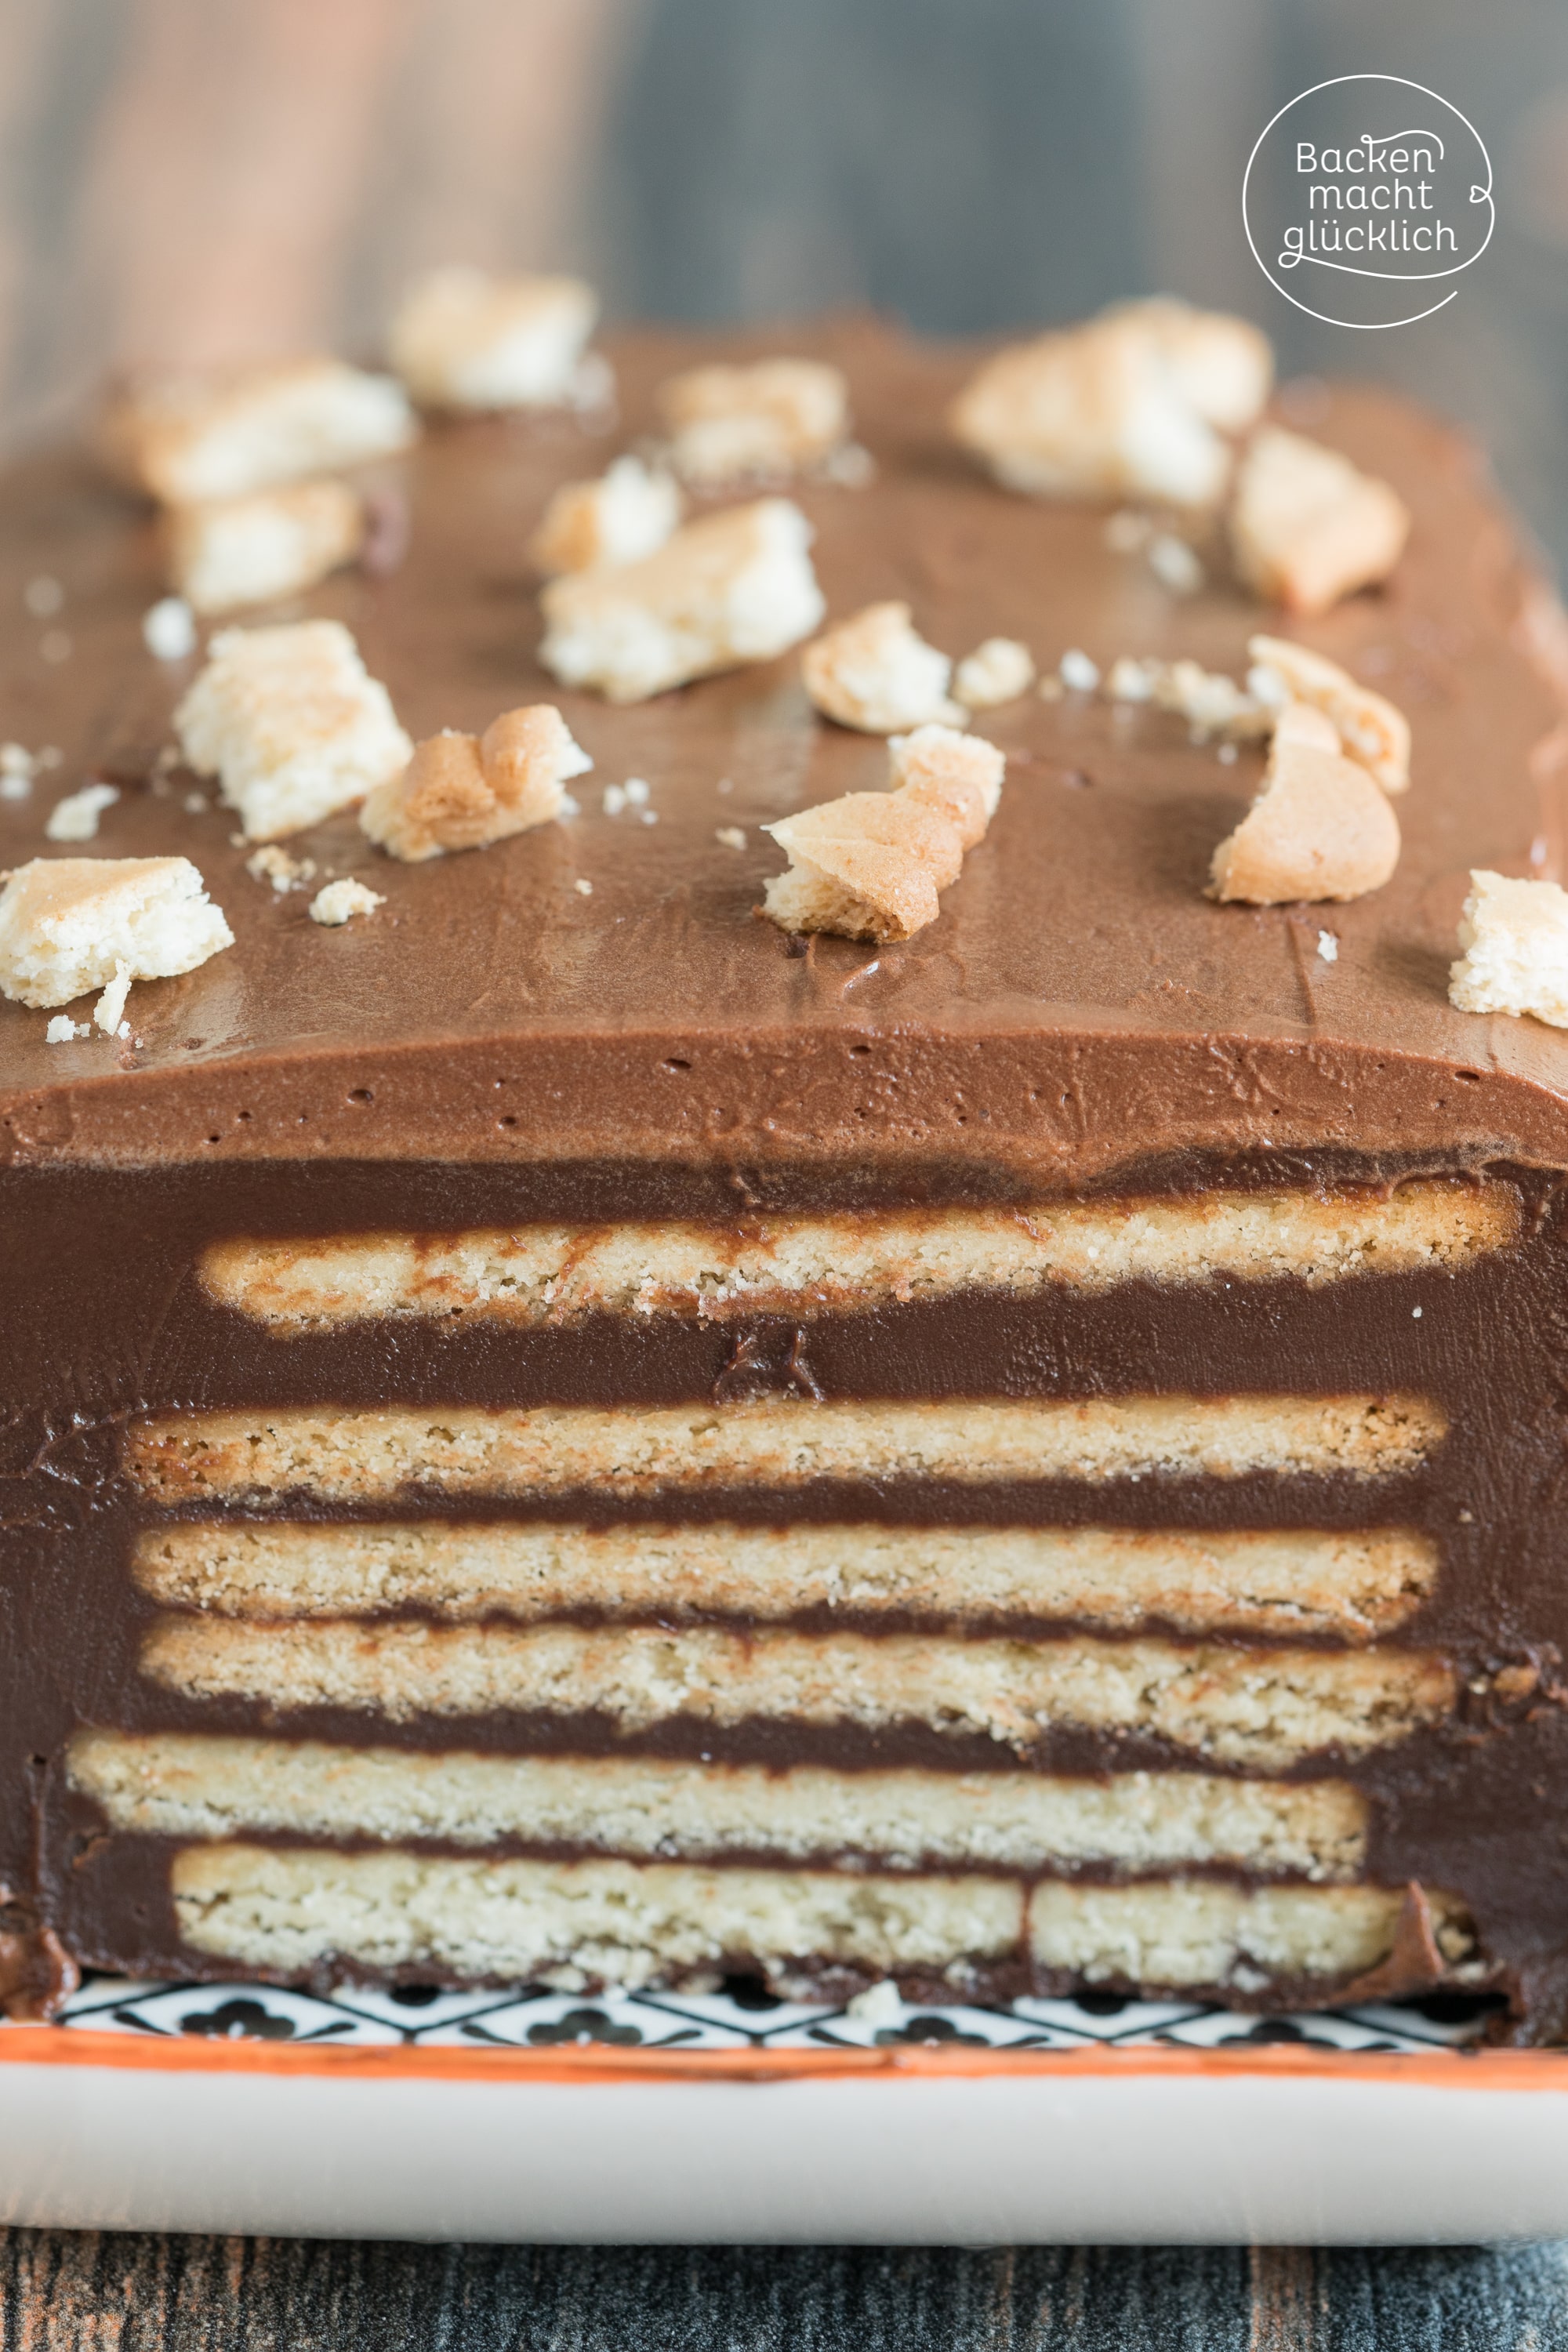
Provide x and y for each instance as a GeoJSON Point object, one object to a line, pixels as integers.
{"type": "Point", "coordinates": [741, 2016]}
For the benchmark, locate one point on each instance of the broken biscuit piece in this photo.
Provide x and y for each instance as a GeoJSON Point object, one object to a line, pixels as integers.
{"type": "Point", "coordinates": [1320, 827]}
{"type": "Point", "coordinates": [1371, 730]}
{"type": "Point", "coordinates": [876, 673]}
{"type": "Point", "coordinates": [462, 338]}
{"type": "Point", "coordinates": [1307, 526]}
{"type": "Point", "coordinates": [71, 924]}
{"type": "Point", "coordinates": [1514, 935]}
{"type": "Point", "coordinates": [624, 515]}
{"type": "Point", "coordinates": [771, 420]}
{"type": "Point", "coordinates": [250, 550]}
{"type": "Point", "coordinates": [869, 866]}
{"type": "Point", "coordinates": [193, 437]}
{"type": "Point", "coordinates": [731, 587]}
{"type": "Point", "coordinates": [1133, 403]}
{"type": "Point", "coordinates": [995, 672]}
{"type": "Point", "coordinates": [463, 792]}
{"type": "Point", "coordinates": [292, 725]}
{"type": "Point", "coordinates": [1223, 366]}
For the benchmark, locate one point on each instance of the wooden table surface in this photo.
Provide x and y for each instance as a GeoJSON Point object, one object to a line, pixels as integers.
{"type": "Point", "coordinates": [61, 2292]}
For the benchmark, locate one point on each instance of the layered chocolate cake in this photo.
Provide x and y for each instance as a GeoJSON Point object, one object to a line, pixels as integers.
{"type": "Point", "coordinates": [560, 1428]}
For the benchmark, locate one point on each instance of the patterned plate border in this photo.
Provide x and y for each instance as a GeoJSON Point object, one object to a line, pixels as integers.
{"type": "Point", "coordinates": [742, 2033]}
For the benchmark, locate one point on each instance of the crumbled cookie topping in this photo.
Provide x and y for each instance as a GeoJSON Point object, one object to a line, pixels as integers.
{"type": "Point", "coordinates": [731, 587]}
{"type": "Point", "coordinates": [336, 902]}
{"type": "Point", "coordinates": [1371, 730]}
{"type": "Point", "coordinates": [869, 866]}
{"type": "Point", "coordinates": [1134, 403]}
{"type": "Point", "coordinates": [290, 724]}
{"type": "Point", "coordinates": [275, 865]}
{"type": "Point", "coordinates": [249, 550]}
{"type": "Point", "coordinates": [875, 672]}
{"type": "Point", "coordinates": [190, 437]}
{"type": "Point", "coordinates": [626, 514]}
{"type": "Point", "coordinates": [464, 791]}
{"type": "Point", "coordinates": [1514, 938]}
{"type": "Point", "coordinates": [1307, 526]}
{"type": "Point", "coordinates": [461, 338]}
{"type": "Point", "coordinates": [76, 817]}
{"type": "Point", "coordinates": [997, 671]}
{"type": "Point", "coordinates": [71, 924]}
{"type": "Point", "coordinates": [766, 422]}
{"type": "Point", "coordinates": [1321, 826]}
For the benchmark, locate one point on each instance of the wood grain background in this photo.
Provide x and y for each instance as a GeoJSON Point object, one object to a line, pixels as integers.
{"type": "Point", "coordinates": [104, 2293]}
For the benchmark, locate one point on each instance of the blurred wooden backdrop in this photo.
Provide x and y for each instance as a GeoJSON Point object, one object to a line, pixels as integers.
{"type": "Point", "coordinates": [195, 179]}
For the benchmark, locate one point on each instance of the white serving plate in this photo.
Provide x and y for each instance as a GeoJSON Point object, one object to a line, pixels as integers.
{"type": "Point", "coordinates": [624, 2119]}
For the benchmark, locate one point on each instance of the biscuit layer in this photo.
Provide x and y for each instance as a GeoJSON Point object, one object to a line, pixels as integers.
{"type": "Point", "coordinates": [366, 1457]}
{"type": "Point", "coordinates": [1261, 1708]}
{"type": "Point", "coordinates": [192, 1785]}
{"type": "Point", "coordinates": [1202, 1931]}
{"type": "Point", "coordinates": [1354, 1585]}
{"type": "Point", "coordinates": [552, 1273]}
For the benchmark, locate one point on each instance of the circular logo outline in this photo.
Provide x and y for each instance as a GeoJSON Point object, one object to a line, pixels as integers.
{"type": "Point", "coordinates": [1477, 195]}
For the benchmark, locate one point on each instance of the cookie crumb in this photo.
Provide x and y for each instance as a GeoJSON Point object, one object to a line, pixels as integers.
{"type": "Point", "coordinates": [275, 865]}
{"type": "Point", "coordinates": [733, 587]}
{"type": "Point", "coordinates": [336, 902]}
{"type": "Point", "coordinates": [462, 338]}
{"type": "Point", "coordinates": [195, 436]}
{"type": "Point", "coordinates": [1307, 526]}
{"type": "Point", "coordinates": [1133, 403]}
{"type": "Point", "coordinates": [465, 792]}
{"type": "Point", "coordinates": [69, 925]}
{"type": "Point", "coordinates": [1077, 672]}
{"type": "Point", "coordinates": [628, 513]}
{"type": "Point", "coordinates": [761, 423]}
{"type": "Point", "coordinates": [730, 835]}
{"type": "Point", "coordinates": [1320, 827]}
{"type": "Point", "coordinates": [61, 1029]}
{"type": "Point", "coordinates": [109, 1012]}
{"type": "Point", "coordinates": [583, 888]}
{"type": "Point", "coordinates": [1174, 565]}
{"type": "Point", "coordinates": [997, 671]}
{"type": "Point", "coordinates": [1329, 946]}
{"type": "Point", "coordinates": [169, 629]}
{"type": "Point", "coordinates": [876, 673]}
{"type": "Point", "coordinates": [291, 724]}
{"type": "Point", "coordinates": [1514, 936]}
{"type": "Point", "coordinates": [269, 544]}
{"type": "Point", "coordinates": [1371, 730]}
{"type": "Point", "coordinates": [75, 818]}
{"type": "Point", "coordinates": [870, 864]}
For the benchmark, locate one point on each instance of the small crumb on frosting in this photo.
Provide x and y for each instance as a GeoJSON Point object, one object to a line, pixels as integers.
{"type": "Point", "coordinates": [628, 513]}
{"type": "Point", "coordinates": [1329, 946]}
{"type": "Point", "coordinates": [730, 835]}
{"type": "Point", "coordinates": [761, 423]}
{"type": "Point", "coordinates": [875, 672]}
{"type": "Point", "coordinates": [337, 902]}
{"type": "Point", "coordinates": [291, 723]}
{"type": "Point", "coordinates": [462, 338]}
{"type": "Point", "coordinates": [69, 925]}
{"type": "Point", "coordinates": [997, 671]}
{"type": "Point", "coordinates": [871, 865]}
{"type": "Point", "coordinates": [583, 886]}
{"type": "Point", "coordinates": [1318, 828]}
{"type": "Point", "coordinates": [109, 1012]}
{"type": "Point", "coordinates": [733, 587]}
{"type": "Point", "coordinates": [465, 792]}
{"type": "Point", "coordinates": [61, 1029]}
{"type": "Point", "coordinates": [1077, 672]}
{"type": "Point", "coordinates": [76, 817]}
{"type": "Point", "coordinates": [1307, 526]}
{"type": "Point", "coordinates": [1514, 938]}
{"type": "Point", "coordinates": [1174, 565]}
{"type": "Point", "coordinates": [274, 865]}
{"type": "Point", "coordinates": [169, 629]}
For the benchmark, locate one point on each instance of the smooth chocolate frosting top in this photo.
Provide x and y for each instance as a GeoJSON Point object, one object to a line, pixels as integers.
{"type": "Point", "coordinates": [1078, 1006]}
